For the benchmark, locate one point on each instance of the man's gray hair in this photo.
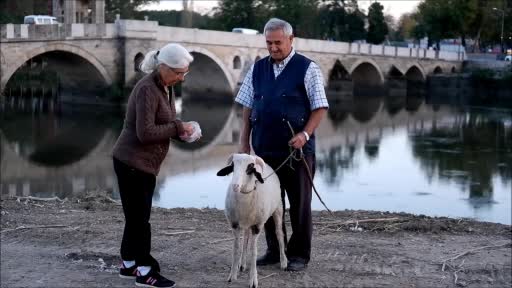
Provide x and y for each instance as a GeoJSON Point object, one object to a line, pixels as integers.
{"type": "Point", "coordinates": [278, 24]}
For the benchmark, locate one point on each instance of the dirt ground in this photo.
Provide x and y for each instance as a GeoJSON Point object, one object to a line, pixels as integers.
{"type": "Point", "coordinates": [75, 243]}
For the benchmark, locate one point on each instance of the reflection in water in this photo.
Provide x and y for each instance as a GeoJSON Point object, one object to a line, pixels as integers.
{"type": "Point", "coordinates": [470, 151]}
{"type": "Point", "coordinates": [386, 152]}
{"type": "Point", "coordinates": [415, 95]}
{"type": "Point", "coordinates": [210, 112]}
{"type": "Point", "coordinates": [394, 103]}
{"type": "Point", "coordinates": [365, 107]}
{"type": "Point", "coordinates": [371, 147]}
{"type": "Point", "coordinates": [55, 139]}
{"type": "Point", "coordinates": [334, 162]}
{"type": "Point", "coordinates": [339, 109]}
{"type": "Point", "coordinates": [48, 153]}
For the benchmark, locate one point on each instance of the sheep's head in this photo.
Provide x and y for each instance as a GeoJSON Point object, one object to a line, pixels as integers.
{"type": "Point", "coordinates": [246, 169]}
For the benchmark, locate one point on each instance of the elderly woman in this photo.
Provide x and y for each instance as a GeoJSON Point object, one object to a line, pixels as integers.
{"type": "Point", "coordinates": [149, 125]}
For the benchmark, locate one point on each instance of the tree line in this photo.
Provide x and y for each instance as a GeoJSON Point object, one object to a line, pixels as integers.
{"type": "Point", "coordinates": [343, 20]}
{"type": "Point", "coordinates": [337, 20]}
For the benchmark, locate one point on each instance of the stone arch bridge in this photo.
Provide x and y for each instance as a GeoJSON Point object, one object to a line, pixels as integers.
{"type": "Point", "coordinates": [112, 51]}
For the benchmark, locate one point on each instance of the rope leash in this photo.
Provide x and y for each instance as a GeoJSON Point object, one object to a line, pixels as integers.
{"type": "Point", "coordinates": [301, 157]}
{"type": "Point", "coordinates": [309, 171]}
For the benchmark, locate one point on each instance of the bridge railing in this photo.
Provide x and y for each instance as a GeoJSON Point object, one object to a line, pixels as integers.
{"type": "Point", "coordinates": [151, 30]}
{"type": "Point", "coordinates": [56, 31]}
{"type": "Point", "coordinates": [313, 45]}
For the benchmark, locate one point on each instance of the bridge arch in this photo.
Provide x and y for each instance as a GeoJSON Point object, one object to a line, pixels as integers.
{"type": "Point", "coordinates": [438, 70]}
{"type": "Point", "coordinates": [237, 63]}
{"type": "Point", "coordinates": [415, 73]}
{"type": "Point", "coordinates": [217, 61]}
{"type": "Point", "coordinates": [395, 72]}
{"type": "Point", "coordinates": [206, 97]}
{"type": "Point", "coordinates": [366, 70]}
{"type": "Point", "coordinates": [59, 47]}
{"type": "Point", "coordinates": [226, 129]}
{"type": "Point", "coordinates": [137, 60]}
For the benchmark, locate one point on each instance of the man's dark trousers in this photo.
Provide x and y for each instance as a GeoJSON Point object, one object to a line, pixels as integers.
{"type": "Point", "coordinates": [298, 187]}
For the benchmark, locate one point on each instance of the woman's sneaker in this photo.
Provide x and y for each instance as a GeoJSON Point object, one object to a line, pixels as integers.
{"type": "Point", "coordinates": [128, 273]}
{"type": "Point", "coordinates": [153, 279]}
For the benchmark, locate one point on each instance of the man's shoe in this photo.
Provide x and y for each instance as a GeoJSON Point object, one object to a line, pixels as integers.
{"type": "Point", "coordinates": [128, 273]}
{"type": "Point", "coordinates": [153, 279]}
{"type": "Point", "coordinates": [296, 265]}
{"type": "Point", "coordinates": [268, 259]}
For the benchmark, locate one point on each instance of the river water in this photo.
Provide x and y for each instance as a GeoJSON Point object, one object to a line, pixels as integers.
{"type": "Point", "coordinates": [402, 154]}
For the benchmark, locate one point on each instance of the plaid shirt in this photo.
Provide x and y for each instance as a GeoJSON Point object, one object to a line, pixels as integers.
{"type": "Point", "coordinates": [313, 81]}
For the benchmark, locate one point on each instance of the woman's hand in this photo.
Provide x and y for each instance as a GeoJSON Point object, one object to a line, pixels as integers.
{"type": "Point", "coordinates": [191, 132]}
{"type": "Point", "coordinates": [188, 129]}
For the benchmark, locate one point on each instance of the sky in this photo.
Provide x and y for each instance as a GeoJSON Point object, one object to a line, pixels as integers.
{"type": "Point", "coordinates": [393, 7]}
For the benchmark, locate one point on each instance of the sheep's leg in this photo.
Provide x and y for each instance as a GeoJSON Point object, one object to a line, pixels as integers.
{"type": "Point", "coordinates": [245, 244]}
{"type": "Point", "coordinates": [235, 260]}
{"type": "Point", "coordinates": [253, 247]}
{"type": "Point", "coordinates": [278, 220]}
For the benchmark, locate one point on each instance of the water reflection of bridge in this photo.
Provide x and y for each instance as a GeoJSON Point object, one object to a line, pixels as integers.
{"type": "Point", "coordinates": [21, 177]}
{"type": "Point", "coordinates": [353, 132]}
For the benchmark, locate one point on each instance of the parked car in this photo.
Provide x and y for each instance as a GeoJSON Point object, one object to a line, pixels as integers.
{"type": "Point", "coordinates": [245, 31]}
{"type": "Point", "coordinates": [508, 58]}
{"type": "Point", "coordinates": [40, 20]}
{"type": "Point", "coordinates": [500, 57]}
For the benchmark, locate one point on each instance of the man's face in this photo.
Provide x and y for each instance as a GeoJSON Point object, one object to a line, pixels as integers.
{"type": "Point", "coordinates": [279, 46]}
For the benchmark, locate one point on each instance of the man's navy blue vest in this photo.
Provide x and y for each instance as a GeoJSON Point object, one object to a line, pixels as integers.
{"type": "Point", "coordinates": [276, 102]}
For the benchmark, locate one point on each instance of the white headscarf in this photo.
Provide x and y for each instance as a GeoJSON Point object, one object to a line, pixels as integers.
{"type": "Point", "coordinates": [172, 55]}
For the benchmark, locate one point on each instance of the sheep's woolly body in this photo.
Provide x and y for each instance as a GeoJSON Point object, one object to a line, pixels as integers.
{"type": "Point", "coordinates": [254, 207]}
{"type": "Point", "coordinates": [249, 204]}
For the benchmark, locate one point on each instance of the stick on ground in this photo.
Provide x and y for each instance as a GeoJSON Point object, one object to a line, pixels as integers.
{"type": "Point", "coordinates": [34, 227]}
{"type": "Point", "coordinates": [179, 232]}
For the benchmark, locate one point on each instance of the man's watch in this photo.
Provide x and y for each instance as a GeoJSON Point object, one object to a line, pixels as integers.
{"type": "Point", "coordinates": [307, 135]}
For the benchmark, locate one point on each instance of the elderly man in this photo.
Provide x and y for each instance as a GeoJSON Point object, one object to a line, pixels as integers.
{"type": "Point", "coordinates": [282, 90]}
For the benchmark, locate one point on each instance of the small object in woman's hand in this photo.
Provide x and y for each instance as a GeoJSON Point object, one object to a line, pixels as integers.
{"type": "Point", "coordinates": [194, 134]}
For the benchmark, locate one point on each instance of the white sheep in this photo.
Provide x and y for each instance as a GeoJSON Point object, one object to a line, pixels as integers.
{"type": "Point", "coordinates": [250, 201]}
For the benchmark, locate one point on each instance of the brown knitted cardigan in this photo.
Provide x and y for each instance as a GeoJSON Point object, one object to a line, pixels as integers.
{"type": "Point", "coordinates": [149, 124]}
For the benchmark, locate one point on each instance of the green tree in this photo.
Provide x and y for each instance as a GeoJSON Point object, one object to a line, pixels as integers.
{"type": "Point", "coordinates": [126, 9]}
{"type": "Point", "coordinates": [463, 13]}
{"type": "Point", "coordinates": [176, 18]}
{"type": "Point", "coordinates": [392, 26]}
{"type": "Point", "coordinates": [233, 13]}
{"type": "Point", "coordinates": [405, 26]}
{"type": "Point", "coordinates": [377, 27]}
{"type": "Point", "coordinates": [341, 20]}
{"type": "Point", "coordinates": [434, 21]}
{"type": "Point", "coordinates": [485, 29]}
{"type": "Point", "coordinates": [15, 11]}
{"type": "Point", "coordinates": [440, 19]}
{"type": "Point", "coordinates": [355, 26]}
{"type": "Point", "coordinates": [301, 14]}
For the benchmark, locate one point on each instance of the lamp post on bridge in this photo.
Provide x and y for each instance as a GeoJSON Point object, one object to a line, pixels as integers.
{"type": "Point", "coordinates": [502, 25]}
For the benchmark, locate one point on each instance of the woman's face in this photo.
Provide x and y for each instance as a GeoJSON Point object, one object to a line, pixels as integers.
{"type": "Point", "coordinates": [172, 76]}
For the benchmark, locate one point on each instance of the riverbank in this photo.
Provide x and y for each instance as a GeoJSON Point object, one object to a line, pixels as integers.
{"type": "Point", "coordinates": [75, 243]}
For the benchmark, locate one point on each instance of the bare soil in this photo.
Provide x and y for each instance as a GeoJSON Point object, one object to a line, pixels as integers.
{"type": "Point", "coordinates": [75, 243]}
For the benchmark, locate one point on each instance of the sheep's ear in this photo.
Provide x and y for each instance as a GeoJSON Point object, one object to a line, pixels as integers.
{"type": "Point", "coordinates": [260, 163]}
{"type": "Point", "coordinates": [226, 170]}
{"type": "Point", "coordinates": [258, 176]}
